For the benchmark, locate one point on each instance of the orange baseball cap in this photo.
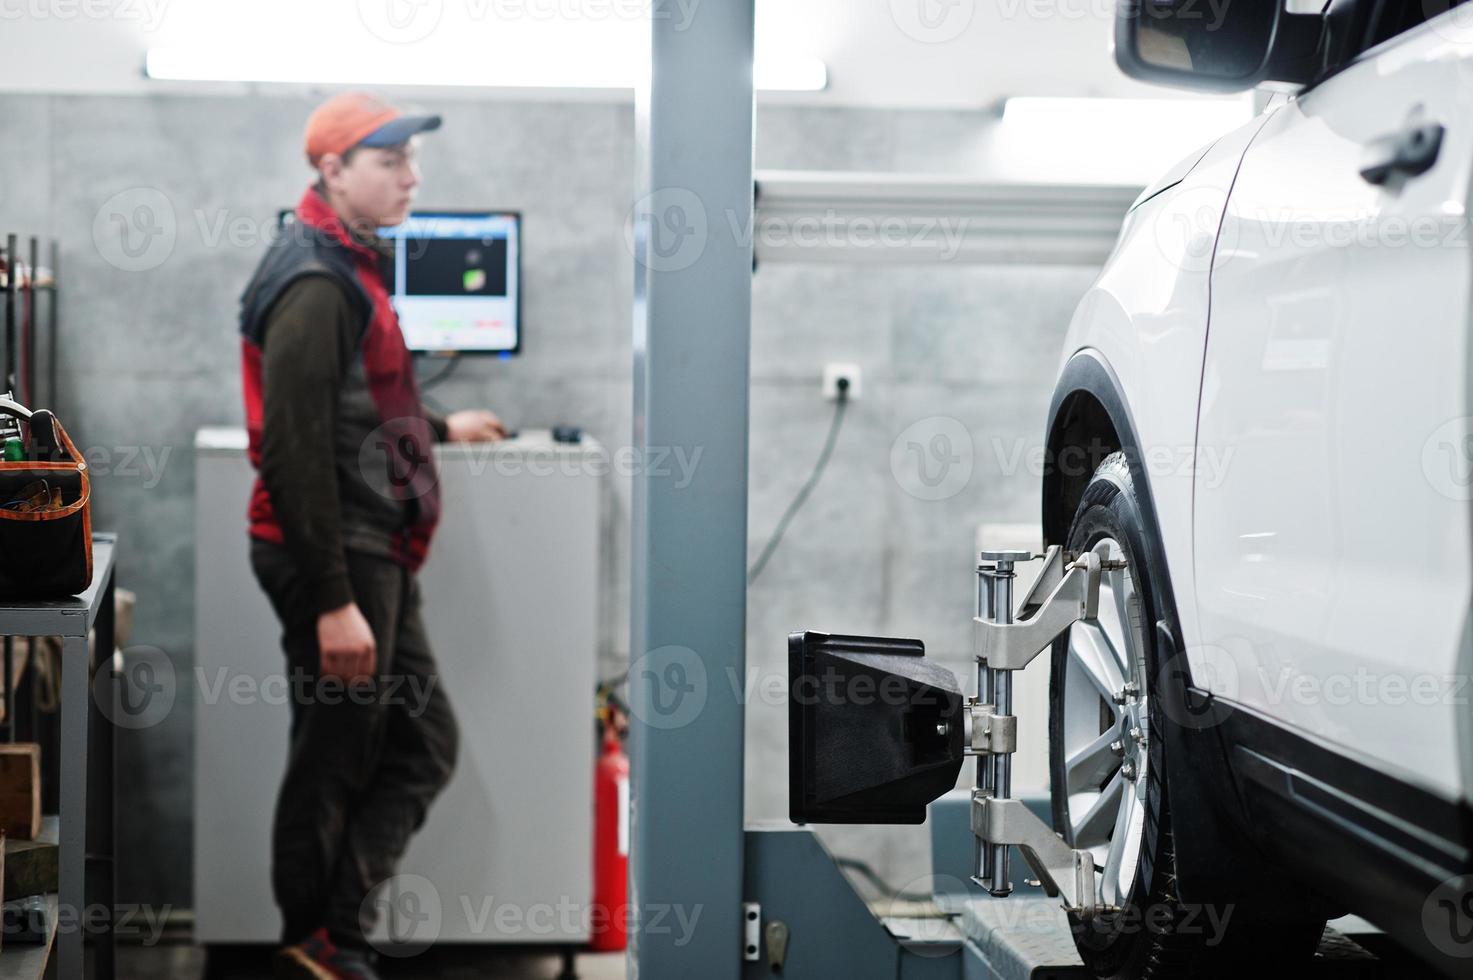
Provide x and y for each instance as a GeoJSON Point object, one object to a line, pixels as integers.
{"type": "Point", "coordinates": [360, 119]}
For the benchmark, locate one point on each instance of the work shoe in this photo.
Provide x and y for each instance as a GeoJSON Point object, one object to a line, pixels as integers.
{"type": "Point", "coordinates": [318, 958]}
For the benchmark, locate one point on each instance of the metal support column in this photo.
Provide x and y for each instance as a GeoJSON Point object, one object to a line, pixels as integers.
{"type": "Point", "coordinates": [692, 312]}
{"type": "Point", "coordinates": [72, 867]}
{"type": "Point", "coordinates": [995, 572]}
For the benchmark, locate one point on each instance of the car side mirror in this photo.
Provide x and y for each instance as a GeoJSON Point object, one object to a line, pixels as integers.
{"type": "Point", "coordinates": [1227, 47]}
{"type": "Point", "coordinates": [874, 729]}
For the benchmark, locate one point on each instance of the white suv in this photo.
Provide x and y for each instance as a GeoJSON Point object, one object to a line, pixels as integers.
{"type": "Point", "coordinates": [1289, 308]}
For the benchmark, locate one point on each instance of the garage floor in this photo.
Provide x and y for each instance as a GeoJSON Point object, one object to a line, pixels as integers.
{"type": "Point", "coordinates": [183, 962]}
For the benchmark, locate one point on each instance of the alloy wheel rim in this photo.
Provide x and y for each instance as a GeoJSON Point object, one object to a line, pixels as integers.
{"type": "Point", "coordinates": [1106, 731]}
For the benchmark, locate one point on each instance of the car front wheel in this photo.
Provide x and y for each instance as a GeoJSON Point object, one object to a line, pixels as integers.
{"type": "Point", "coordinates": [1108, 773]}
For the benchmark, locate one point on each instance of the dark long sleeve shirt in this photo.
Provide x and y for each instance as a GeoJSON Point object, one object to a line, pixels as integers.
{"type": "Point", "coordinates": [311, 336]}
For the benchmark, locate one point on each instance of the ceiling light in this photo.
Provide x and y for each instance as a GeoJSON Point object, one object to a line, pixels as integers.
{"type": "Point", "coordinates": [527, 68]}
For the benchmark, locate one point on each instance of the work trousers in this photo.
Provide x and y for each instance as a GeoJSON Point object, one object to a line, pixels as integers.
{"type": "Point", "coordinates": [364, 763]}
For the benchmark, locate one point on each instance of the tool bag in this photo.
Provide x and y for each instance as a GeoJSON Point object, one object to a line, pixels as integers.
{"type": "Point", "coordinates": [45, 513]}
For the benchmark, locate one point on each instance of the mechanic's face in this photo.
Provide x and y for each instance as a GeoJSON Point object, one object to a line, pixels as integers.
{"type": "Point", "coordinates": [376, 185]}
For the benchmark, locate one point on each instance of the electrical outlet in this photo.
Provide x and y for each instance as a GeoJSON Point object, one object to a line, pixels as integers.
{"type": "Point", "coordinates": [832, 373]}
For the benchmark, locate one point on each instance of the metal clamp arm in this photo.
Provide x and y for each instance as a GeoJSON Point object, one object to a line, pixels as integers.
{"type": "Point", "coordinates": [1012, 646]}
{"type": "Point", "coordinates": [1061, 870]}
{"type": "Point", "coordinates": [1066, 591]}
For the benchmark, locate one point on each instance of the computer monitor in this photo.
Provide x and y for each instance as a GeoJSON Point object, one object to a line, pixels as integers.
{"type": "Point", "coordinates": [456, 281]}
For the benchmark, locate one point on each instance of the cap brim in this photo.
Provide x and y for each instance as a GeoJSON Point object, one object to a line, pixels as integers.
{"type": "Point", "coordinates": [397, 131]}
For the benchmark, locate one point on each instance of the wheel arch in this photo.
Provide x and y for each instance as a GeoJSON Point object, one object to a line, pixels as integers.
{"type": "Point", "coordinates": [1088, 419]}
{"type": "Point", "coordinates": [1079, 425]}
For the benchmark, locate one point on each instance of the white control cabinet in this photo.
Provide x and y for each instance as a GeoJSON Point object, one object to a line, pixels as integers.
{"type": "Point", "coordinates": [511, 605]}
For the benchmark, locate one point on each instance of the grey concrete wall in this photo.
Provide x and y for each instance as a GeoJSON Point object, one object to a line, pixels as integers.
{"type": "Point", "coordinates": [150, 354]}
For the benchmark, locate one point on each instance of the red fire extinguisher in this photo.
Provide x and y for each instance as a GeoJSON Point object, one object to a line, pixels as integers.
{"type": "Point", "coordinates": [610, 844]}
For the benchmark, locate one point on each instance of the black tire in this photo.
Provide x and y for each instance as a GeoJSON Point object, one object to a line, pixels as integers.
{"type": "Point", "coordinates": [1155, 934]}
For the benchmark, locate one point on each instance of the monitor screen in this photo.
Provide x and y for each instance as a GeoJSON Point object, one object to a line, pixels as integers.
{"type": "Point", "coordinates": [456, 281]}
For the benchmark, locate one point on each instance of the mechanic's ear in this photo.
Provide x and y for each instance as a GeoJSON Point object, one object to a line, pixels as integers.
{"type": "Point", "coordinates": [330, 167]}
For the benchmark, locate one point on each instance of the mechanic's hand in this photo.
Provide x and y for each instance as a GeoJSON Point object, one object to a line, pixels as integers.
{"type": "Point", "coordinates": [474, 425]}
{"type": "Point", "coordinates": [346, 645]}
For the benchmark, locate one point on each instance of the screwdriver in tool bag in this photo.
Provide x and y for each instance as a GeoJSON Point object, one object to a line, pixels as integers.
{"type": "Point", "coordinates": [13, 449]}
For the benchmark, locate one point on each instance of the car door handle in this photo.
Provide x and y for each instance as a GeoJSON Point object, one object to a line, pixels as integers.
{"type": "Point", "coordinates": [1410, 152]}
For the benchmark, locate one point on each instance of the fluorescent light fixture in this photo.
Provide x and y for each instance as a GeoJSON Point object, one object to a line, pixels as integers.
{"type": "Point", "coordinates": [1193, 121]}
{"type": "Point", "coordinates": [343, 65]}
{"type": "Point", "coordinates": [1113, 136]}
{"type": "Point", "coordinates": [525, 69]}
